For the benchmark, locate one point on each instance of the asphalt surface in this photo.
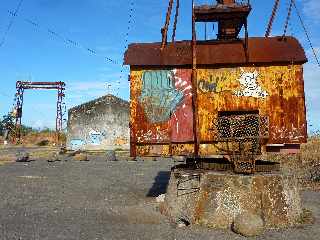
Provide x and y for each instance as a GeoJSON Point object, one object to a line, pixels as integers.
{"type": "Point", "coordinates": [98, 200]}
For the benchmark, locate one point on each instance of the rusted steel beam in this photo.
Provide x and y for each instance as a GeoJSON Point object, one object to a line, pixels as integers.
{"type": "Point", "coordinates": [42, 83]}
{"type": "Point", "coordinates": [41, 87]}
{"type": "Point", "coordinates": [246, 39]}
{"type": "Point", "coordinates": [223, 53]}
{"type": "Point", "coordinates": [209, 13]}
{"type": "Point", "coordinates": [164, 30]}
{"type": "Point", "coordinates": [194, 86]}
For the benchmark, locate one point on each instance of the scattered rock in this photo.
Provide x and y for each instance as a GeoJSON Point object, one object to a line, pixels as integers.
{"type": "Point", "coordinates": [131, 159]}
{"type": "Point", "coordinates": [81, 157]}
{"type": "Point", "coordinates": [139, 159]}
{"type": "Point", "coordinates": [23, 157]}
{"type": "Point", "coordinates": [182, 223]}
{"type": "Point", "coordinates": [72, 154]}
{"type": "Point", "coordinates": [180, 159]}
{"type": "Point", "coordinates": [62, 151]}
{"type": "Point", "coordinates": [248, 225]}
{"type": "Point", "coordinates": [56, 157]}
{"type": "Point", "coordinates": [160, 198]}
{"type": "Point", "coordinates": [111, 155]}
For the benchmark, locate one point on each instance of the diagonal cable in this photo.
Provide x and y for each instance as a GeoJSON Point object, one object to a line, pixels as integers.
{"type": "Point", "coordinates": [307, 34]}
{"type": "Point", "coordinates": [13, 16]}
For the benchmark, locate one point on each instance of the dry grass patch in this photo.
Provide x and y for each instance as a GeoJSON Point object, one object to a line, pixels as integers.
{"type": "Point", "coordinates": [306, 217]}
{"type": "Point", "coordinates": [304, 165]}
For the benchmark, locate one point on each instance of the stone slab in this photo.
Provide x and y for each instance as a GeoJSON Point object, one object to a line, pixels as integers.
{"type": "Point", "coordinates": [215, 199]}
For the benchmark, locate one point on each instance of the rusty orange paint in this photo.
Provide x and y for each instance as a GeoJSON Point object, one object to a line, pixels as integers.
{"type": "Point", "coordinates": [161, 111]}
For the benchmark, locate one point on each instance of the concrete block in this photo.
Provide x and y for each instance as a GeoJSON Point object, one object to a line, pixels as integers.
{"type": "Point", "coordinates": [215, 199]}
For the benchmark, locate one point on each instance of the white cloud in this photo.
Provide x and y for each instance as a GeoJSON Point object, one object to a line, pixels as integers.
{"type": "Point", "coordinates": [311, 8]}
{"type": "Point", "coordinates": [81, 92]}
{"type": "Point", "coordinates": [85, 86]}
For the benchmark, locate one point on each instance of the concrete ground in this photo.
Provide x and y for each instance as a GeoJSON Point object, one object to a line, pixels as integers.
{"type": "Point", "coordinates": [98, 200]}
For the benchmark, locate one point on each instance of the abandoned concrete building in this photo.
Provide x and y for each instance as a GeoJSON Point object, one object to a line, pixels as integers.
{"type": "Point", "coordinates": [101, 124]}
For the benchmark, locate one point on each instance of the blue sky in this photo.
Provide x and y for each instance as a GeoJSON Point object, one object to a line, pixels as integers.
{"type": "Point", "coordinates": [31, 52]}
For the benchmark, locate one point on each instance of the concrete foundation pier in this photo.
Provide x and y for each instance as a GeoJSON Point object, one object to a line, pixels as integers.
{"type": "Point", "coordinates": [216, 199]}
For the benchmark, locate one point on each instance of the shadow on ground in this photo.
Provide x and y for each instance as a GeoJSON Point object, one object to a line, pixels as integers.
{"type": "Point", "coordinates": [160, 184]}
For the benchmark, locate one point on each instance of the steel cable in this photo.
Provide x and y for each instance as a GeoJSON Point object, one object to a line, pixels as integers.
{"type": "Point", "coordinates": [66, 40]}
{"type": "Point", "coordinates": [14, 15]}
{"type": "Point", "coordinates": [306, 32]}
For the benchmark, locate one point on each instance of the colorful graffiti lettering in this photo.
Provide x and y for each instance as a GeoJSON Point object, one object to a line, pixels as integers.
{"type": "Point", "coordinates": [249, 85]}
{"type": "Point", "coordinates": [160, 96]}
{"type": "Point", "coordinates": [211, 85]}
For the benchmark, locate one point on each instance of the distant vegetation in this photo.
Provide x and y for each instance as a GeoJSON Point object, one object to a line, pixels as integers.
{"type": "Point", "coordinates": [29, 135]}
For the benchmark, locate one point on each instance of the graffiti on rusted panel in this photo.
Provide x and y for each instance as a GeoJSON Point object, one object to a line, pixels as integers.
{"type": "Point", "coordinates": [212, 84]}
{"type": "Point", "coordinates": [264, 96]}
{"type": "Point", "coordinates": [161, 101]}
{"type": "Point", "coordinates": [249, 85]}
{"type": "Point", "coordinates": [161, 104]}
{"type": "Point", "coordinates": [158, 96]}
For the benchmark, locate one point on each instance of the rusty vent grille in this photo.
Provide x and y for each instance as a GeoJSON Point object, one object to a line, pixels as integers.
{"type": "Point", "coordinates": [245, 131]}
{"type": "Point", "coordinates": [241, 126]}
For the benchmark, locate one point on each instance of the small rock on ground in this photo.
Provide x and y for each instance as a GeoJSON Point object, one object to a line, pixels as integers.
{"type": "Point", "coordinates": [248, 225]}
{"type": "Point", "coordinates": [111, 155]}
{"type": "Point", "coordinates": [22, 157]}
{"type": "Point", "coordinates": [181, 223]}
{"type": "Point", "coordinates": [81, 157]}
{"type": "Point", "coordinates": [160, 198]}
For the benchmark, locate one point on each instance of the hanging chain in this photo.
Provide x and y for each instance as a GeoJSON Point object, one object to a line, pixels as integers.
{"type": "Point", "coordinates": [175, 21]}
{"type": "Point", "coordinates": [164, 30]}
{"type": "Point", "coordinates": [273, 15]}
{"type": "Point", "coordinates": [288, 18]}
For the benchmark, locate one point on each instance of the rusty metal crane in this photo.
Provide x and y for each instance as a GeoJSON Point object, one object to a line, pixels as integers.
{"type": "Point", "coordinates": [231, 17]}
{"type": "Point", "coordinates": [228, 97]}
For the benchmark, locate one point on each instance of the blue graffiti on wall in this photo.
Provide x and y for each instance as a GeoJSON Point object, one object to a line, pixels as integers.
{"type": "Point", "coordinates": [76, 144]}
{"type": "Point", "coordinates": [95, 138]}
{"type": "Point", "coordinates": [159, 97]}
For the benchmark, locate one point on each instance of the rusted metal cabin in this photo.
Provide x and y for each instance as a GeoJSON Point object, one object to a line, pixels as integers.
{"type": "Point", "coordinates": [218, 86]}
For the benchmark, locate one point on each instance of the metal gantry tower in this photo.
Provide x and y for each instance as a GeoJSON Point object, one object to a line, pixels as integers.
{"type": "Point", "coordinates": [61, 107]}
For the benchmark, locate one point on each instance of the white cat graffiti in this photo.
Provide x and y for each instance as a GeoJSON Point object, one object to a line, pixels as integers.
{"type": "Point", "coordinates": [249, 85]}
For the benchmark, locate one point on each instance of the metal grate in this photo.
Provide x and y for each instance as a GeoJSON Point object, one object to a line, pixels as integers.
{"type": "Point", "coordinates": [244, 131]}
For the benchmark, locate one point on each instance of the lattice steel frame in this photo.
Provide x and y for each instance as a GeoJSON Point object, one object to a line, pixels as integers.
{"type": "Point", "coordinates": [61, 107]}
